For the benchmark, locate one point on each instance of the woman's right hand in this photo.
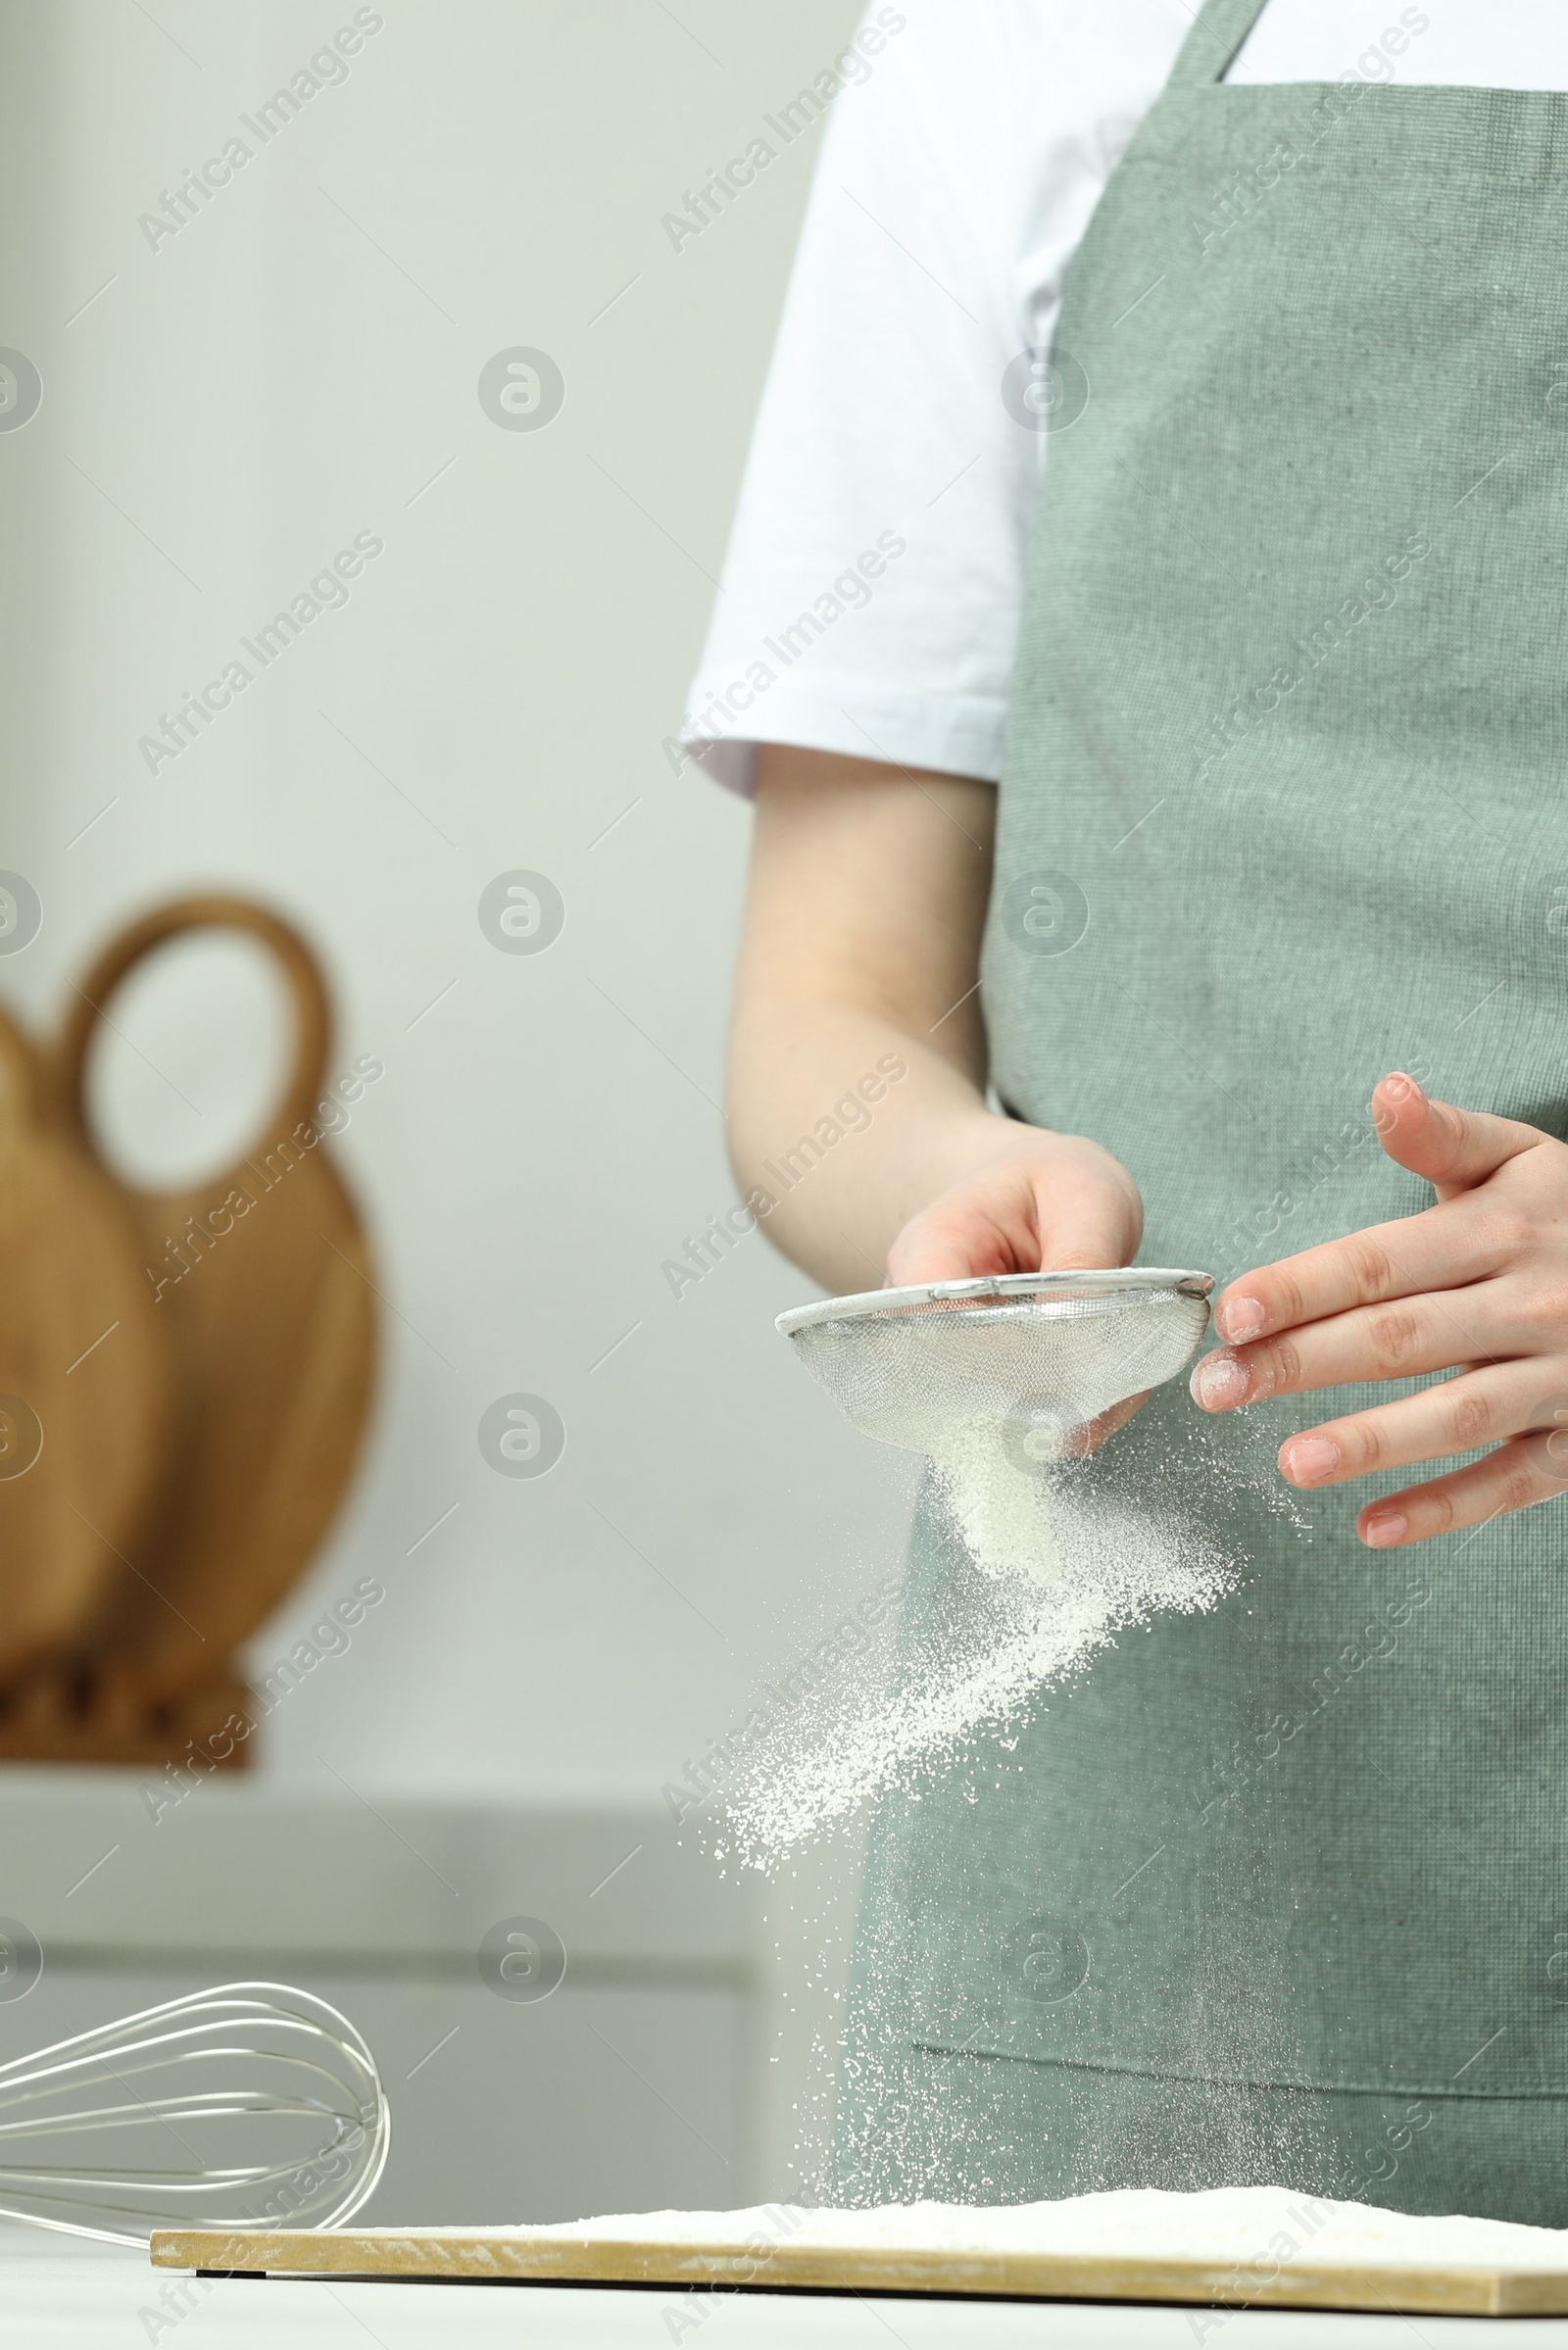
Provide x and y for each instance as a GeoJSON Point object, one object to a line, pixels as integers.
{"type": "Point", "coordinates": [1033, 1203]}
{"type": "Point", "coordinates": [1038, 1202]}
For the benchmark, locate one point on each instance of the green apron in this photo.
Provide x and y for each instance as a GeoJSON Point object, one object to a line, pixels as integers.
{"type": "Point", "coordinates": [1276, 1891]}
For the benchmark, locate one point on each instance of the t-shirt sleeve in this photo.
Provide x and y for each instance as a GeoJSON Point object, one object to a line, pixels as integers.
{"type": "Point", "coordinates": [870, 593]}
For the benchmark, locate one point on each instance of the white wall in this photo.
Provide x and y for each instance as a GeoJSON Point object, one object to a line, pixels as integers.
{"type": "Point", "coordinates": [297, 364]}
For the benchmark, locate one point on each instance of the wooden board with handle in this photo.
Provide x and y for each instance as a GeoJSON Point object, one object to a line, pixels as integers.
{"type": "Point", "coordinates": [503, 2255]}
{"type": "Point", "coordinates": [84, 1383]}
{"type": "Point", "coordinates": [260, 1279]}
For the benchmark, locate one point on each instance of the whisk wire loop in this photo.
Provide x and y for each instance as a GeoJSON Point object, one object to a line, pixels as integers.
{"type": "Point", "coordinates": [286, 2119]}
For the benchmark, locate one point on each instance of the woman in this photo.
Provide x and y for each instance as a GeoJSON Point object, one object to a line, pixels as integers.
{"type": "Point", "coordinates": [1279, 1891]}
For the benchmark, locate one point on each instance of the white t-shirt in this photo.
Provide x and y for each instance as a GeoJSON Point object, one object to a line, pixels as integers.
{"type": "Point", "coordinates": [870, 595]}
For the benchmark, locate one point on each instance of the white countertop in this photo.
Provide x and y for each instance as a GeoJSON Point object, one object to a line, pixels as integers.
{"type": "Point", "coordinates": [56, 2294]}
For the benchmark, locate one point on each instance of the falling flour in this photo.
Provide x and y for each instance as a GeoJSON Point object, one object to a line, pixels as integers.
{"type": "Point", "coordinates": [1050, 1563]}
{"type": "Point", "coordinates": [1232, 2226]}
{"type": "Point", "coordinates": [1001, 1506]}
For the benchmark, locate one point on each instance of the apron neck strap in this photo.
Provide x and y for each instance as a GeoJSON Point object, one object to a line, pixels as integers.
{"type": "Point", "coordinates": [1210, 49]}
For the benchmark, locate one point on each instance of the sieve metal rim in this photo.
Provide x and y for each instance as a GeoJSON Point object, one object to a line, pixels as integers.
{"type": "Point", "coordinates": [1108, 1282]}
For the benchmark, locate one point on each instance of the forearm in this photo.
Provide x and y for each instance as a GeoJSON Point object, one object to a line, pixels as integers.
{"type": "Point", "coordinates": [857, 1055]}
{"type": "Point", "coordinates": [844, 1124]}
{"type": "Point", "coordinates": [857, 1067]}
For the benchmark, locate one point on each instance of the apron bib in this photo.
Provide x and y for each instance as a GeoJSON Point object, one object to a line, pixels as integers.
{"type": "Point", "coordinates": [1278, 1892]}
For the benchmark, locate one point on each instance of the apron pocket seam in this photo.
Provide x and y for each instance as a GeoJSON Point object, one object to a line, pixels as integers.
{"type": "Point", "coordinates": [1539, 2093]}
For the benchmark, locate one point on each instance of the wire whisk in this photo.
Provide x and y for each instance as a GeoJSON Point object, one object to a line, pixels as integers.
{"type": "Point", "coordinates": [252, 2105]}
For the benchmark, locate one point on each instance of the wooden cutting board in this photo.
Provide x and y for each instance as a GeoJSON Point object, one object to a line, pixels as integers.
{"type": "Point", "coordinates": [84, 1379]}
{"type": "Point", "coordinates": [260, 1283]}
{"type": "Point", "coordinates": [501, 2256]}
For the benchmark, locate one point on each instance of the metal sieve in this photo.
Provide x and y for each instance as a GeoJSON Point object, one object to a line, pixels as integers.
{"type": "Point", "coordinates": [1032, 1356]}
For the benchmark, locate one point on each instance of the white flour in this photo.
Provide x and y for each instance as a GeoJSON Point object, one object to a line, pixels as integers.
{"type": "Point", "coordinates": [1002, 1510]}
{"type": "Point", "coordinates": [1231, 2226]}
{"type": "Point", "coordinates": [1059, 1567]}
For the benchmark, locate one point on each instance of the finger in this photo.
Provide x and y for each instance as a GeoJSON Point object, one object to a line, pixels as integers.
{"type": "Point", "coordinates": [984, 1223]}
{"type": "Point", "coordinates": [1015, 1218]}
{"type": "Point", "coordinates": [1451, 1147]}
{"type": "Point", "coordinates": [1513, 1478]}
{"type": "Point", "coordinates": [1439, 1330]}
{"type": "Point", "coordinates": [1086, 1229]}
{"type": "Point", "coordinates": [1479, 1407]}
{"type": "Point", "coordinates": [1442, 1248]}
{"type": "Point", "coordinates": [953, 1239]}
{"type": "Point", "coordinates": [1094, 1432]}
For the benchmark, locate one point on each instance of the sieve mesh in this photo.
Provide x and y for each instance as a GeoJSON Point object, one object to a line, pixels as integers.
{"type": "Point", "coordinates": [1033, 1356]}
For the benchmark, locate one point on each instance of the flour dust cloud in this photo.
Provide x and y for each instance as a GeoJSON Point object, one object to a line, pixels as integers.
{"type": "Point", "coordinates": [1050, 1563]}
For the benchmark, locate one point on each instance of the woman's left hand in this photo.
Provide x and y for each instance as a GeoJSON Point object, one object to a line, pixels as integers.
{"type": "Point", "coordinates": [1477, 1285]}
